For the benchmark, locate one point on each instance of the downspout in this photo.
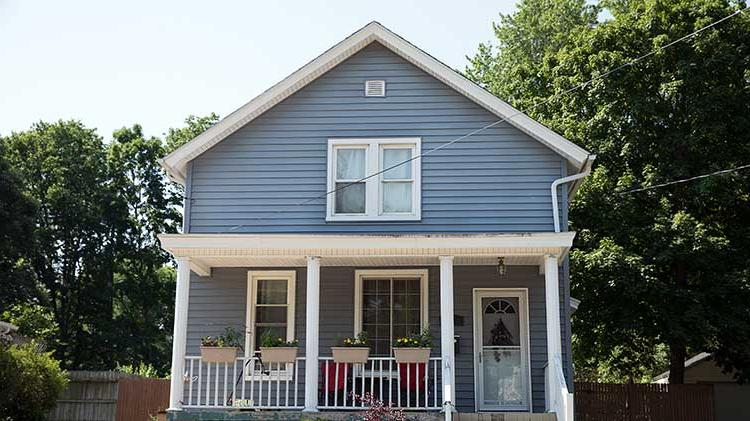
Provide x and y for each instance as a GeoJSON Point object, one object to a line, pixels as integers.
{"type": "Point", "coordinates": [553, 189]}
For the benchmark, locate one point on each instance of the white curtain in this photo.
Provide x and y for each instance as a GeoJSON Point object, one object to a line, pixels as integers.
{"type": "Point", "coordinates": [392, 157]}
{"type": "Point", "coordinates": [350, 164]}
{"type": "Point", "coordinates": [397, 197]}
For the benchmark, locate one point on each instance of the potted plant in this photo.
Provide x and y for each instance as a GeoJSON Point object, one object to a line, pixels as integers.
{"type": "Point", "coordinates": [354, 350]}
{"type": "Point", "coordinates": [414, 348]}
{"type": "Point", "coordinates": [274, 349]}
{"type": "Point", "coordinates": [222, 348]}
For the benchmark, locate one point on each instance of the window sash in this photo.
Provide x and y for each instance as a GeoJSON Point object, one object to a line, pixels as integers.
{"type": "Point", "coordinates": [392, 276]}
{"type": "Point", "coordinates": [252, 306]}
{"type": "Point", "coordinates": [374, 187]}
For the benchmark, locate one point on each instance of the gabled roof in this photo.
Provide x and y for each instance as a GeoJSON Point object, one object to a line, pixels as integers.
{"type": "Point", "coordinates": [176, 162]}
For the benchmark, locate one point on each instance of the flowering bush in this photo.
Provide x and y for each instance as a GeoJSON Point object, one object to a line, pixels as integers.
{"type": "Point", "coordinates": [268, 340]}
{"type": "Point", "coordinates": [377, 410]}
{"type": "Point", "coordinates": [415, 340]}
{"type": "Point", "coordinates": [360, 340]}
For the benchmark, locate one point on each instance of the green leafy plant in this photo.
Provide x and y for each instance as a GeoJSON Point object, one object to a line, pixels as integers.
{"type": "Point", "coordinates": [360, 340]}
{"type": "Point", "coordinates": [230, 338]}
{"type": "Point", "coordinates": [269, 340]}
{"type": "Point", "coordinates": [32, 381]}
{"type": "Point", "coordinates": [415, 340]}
{"type": "Point", "coordinates": [141, 369]}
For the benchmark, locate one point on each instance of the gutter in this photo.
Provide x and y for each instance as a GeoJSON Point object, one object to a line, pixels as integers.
{"type": "Point", "coordinates": [586, 170]}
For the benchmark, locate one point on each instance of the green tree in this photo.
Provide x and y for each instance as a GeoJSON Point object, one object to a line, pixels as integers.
{"type": "Point", "coordinates": [194, 126]}
{"type": "Point", "coordinates": [663, 266]}
{"type": "Point", "coordinates": [17, 215]}
{"type": "Point", "coordinates": [144, 283]}
{"type": "Point", "coordinates": [64, 169]}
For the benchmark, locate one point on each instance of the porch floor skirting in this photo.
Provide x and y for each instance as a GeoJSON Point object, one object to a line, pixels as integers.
{"type": "Point", "coordinates": [245, 415]}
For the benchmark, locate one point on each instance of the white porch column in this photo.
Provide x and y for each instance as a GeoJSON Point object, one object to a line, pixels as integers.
{"type": "Point", "coordinates": [312, 327]}
{"type": "Point", "coordinates": [179, 338]}
{"type": "Point", "coordinates": [554, 342]}
{"type": "Point", "coordinates": [446, 332]}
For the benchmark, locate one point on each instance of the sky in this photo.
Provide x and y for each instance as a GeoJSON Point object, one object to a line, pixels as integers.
{"type": "Point", "coordinates": [112, 64]}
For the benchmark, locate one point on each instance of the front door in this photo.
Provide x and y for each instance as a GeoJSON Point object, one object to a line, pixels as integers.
{"type": "Point", "coordinates": [501, 347]}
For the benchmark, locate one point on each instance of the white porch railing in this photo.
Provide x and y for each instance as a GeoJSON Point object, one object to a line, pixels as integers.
{"type": "Point", "coordinates": [559, 400]}
{"type": "Point", "coordinates": [407, 386]}
{"type": "Point", "coordinates": [245, 383]}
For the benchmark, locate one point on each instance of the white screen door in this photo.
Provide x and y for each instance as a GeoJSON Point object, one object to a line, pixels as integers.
{"type": "Point", "coordinates": [501, 350]}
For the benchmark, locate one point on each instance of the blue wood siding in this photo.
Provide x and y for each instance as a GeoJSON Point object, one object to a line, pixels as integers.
{"type": "Point", "coordinates": [220, 300]}
{"type": "Point", "coordinates": [494, 181]}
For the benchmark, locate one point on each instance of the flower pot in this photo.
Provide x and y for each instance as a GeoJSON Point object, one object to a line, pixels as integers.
{"type": "Point", "coordinates": [279, 354]}
{"type": "Point", "coordinates": [411, 355]}
{"type": "Point", "coordinates": [218, 354]}
{"type": "Point", "coordinates": [350, 354]}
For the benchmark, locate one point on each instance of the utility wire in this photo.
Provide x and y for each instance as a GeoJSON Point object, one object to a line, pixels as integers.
{"type": "Point", "coordinates": [506, 118]}
{"type": "Point", "coordinates": [685, 180]}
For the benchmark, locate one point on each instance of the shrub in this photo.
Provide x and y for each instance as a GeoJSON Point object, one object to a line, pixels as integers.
{"type": "Point", "coordinates": [268, 340]}
{"type": "Point", "coordinates": [32, 381]}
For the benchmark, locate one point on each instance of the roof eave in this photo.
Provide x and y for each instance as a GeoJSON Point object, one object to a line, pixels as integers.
{"type": "Point", "coordinates": [176, 162]}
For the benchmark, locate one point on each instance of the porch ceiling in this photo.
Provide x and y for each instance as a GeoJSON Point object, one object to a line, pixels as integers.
{"type": "Point", "coordinates": [206, 251]}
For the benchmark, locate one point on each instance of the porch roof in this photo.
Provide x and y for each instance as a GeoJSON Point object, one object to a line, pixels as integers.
{"type": "Point", "coordinates": [290, 250]}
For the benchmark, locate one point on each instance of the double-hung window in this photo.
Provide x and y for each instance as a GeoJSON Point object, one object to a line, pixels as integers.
{"type": "Point", "coordinates": [270, 308]}
{"type": "Point", "coordinates": [389, 304]}
{"type": "Point", "coordinates": [374, 179]}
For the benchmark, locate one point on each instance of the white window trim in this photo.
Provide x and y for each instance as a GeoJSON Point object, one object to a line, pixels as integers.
{"type": "Point", "coordinates": [373, 157]}
{"type": "Point", "coordinates": [252, 287]}
{"type": "Point", "coordinates": [359, 275]}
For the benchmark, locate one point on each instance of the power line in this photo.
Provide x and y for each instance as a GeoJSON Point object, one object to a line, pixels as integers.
{"type": "Point", "coordinates": [506, 118]}
{"type": "Point", "coordinates": [685, 180]}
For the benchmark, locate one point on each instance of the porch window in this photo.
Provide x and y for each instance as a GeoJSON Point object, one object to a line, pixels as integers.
{"type": "Point", "coordinates": [389, 305]}
{"type": "Point", "coordinates": [393, 195]}
{"type": "Point", "coordinates": [270, 298]}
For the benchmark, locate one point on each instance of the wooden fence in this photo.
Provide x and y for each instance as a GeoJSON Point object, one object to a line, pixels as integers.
{"type": "Point", "coordinates": [110, 396]}
{"type": "Point", "coordinates": [90, 396]}
{"type": "Point", "coordinates": [643, 402]}
{"type": "Point", "coordinates": [138, 399]}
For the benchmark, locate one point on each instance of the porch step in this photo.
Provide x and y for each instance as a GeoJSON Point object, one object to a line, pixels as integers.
{"type": "Point", "coordinates": [347, 416]}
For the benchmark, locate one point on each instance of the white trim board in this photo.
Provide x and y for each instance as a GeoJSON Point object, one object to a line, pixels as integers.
{"type": "Point", "coordinates": [176, 162]}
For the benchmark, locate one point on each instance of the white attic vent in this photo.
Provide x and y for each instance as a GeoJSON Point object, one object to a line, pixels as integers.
{"type": "Point", "coordinates": [374, 88]}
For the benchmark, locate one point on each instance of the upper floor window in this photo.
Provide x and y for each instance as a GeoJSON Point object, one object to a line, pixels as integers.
{"type": "Point", "coordinates": [391, 195]}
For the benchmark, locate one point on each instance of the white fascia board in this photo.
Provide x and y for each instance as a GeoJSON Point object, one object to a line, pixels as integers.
{"type": "Point", "coordinates": [330, 243]}
{"type": "Point", "coordinates": [175, 162]}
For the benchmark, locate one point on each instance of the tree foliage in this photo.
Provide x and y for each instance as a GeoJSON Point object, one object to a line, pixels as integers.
{"type": "Point", "coordinates": [79, 226]}
{"type": "Point", "coordinates": [656, 268]}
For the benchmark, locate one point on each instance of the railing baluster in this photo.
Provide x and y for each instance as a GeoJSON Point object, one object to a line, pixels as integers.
{"type": "Point", "coordinates": [190, 383]}
{"type": "Point", "coordinates": [200, 380]}
{"type": "Point", "coordinates": [245, 374]}
{"type": "Point", "coordinates": [390, 381]}
{"type": "Point", "coordinates": [225, 384]}
{"type": "Point", "coordinates": [362, 392]}
{"type": "Point", "coordinates": [325, 380]}
{"type": "Point", "coordinates": [435, 381]}
{"type": "Point", "coordinates": [381, 383]}
{"type": "Point", "coordinates": [372, 379]}
{"type": "Point", "coordinates": [208, 384]}
{"type": "Point", "coordinates": [270, 384]}
{"type": "Point", "coordinates": [278, 384]}
{"type": "Point", "coordinates": [296, 384]}
{"type": "Point", "coordinates": [346, 382]}
{"type": "Point", "coordinates": [260, 386]}
{"type": "Point", "coordinates": [408, 384]}
{"type": "Point", "coordinates": [286, 388]}
{"type": "Point", "coordinates": [216, 386]}
{"type": "Point", "coordinates": [336, 383]}
{"type": "Point", "coordinates": [234, 381]}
